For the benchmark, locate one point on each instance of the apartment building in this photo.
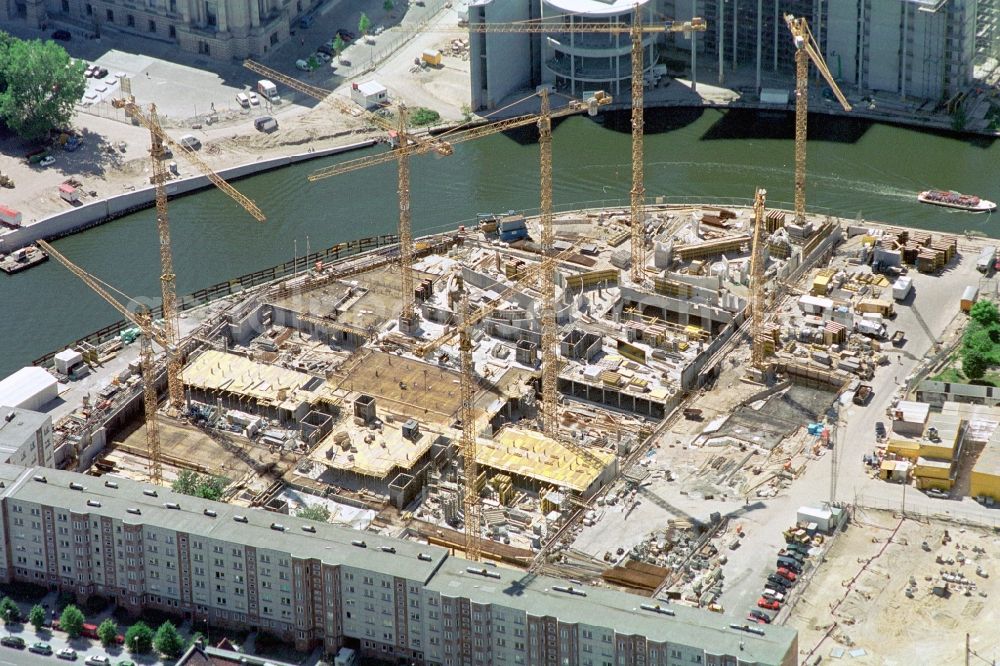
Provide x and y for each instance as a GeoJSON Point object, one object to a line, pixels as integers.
{"type": "Point", "coordinates": [222, 29]}
{"type": "Point", "coordinates": [25, 437]}
{"type": "Point", "coordinates": [315, 584]}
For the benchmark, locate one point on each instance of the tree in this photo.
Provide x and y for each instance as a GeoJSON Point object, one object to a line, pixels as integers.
{"type": "Point", "coordinates": [107, 632]}
{"type": "Point", "coordinates": [974, 363]}
{"type": "Point", "coordinates": [388, 5]}
{"type": "Point", "coordinates": [985, 313]}
{"type": "Point", "coordinates": [139, 638]}
{"type": "Point", "coordinates": [36, 616]}
{"type": "Point", "coordinates": [9, 611]}
{"type": "Point", "coordinates": [205, 486]}
{"type": "Point", "coordinates": [71, 621]}
{"type": "Point", "coordinates": [167, 641]}
{"type": "Point", "coordinates": [43, 86]}
{"type": "Point", "coordinates": [364, 24]}
{"type": "Point", "coordinates": [338, 45]}
{"type": "Point", "coordinates": [317, 512]}
{"type": "Point", "coordinates": [424, 116]}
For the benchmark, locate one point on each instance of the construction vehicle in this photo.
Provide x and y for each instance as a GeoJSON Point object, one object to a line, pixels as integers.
{"type": "Point", "coordinates": [806, 49]}
{"type": "Point", "coordinates": [140, 317]}
{"type": "Point", "coordinates": [636, 31]}
{"type": "Point", "coordinates": [159, 141]}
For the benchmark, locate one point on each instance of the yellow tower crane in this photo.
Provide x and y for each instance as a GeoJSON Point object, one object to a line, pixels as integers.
{"type": "Point", "coordinates": [636, 31]}
{"type": "Point", "coordinates": [757, 282]}
{"type": "Point", "coordinates": [406, 145]}
{"type": "Point", "coordinates": [168, 287]}
{"type": "Point", "coordinates": [550, 367]}
{"type": "Point", "coordinates": [806, 49]}
{"type": "Point", "coordinates": [142, 319]}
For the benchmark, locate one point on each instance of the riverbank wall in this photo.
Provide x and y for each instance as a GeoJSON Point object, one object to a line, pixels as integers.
{"type": "Point", "coordinates": [109, 208]}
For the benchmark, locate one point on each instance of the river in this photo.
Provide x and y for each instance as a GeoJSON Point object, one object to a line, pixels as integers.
{"type": "Point", "coordinates": [855, 168]}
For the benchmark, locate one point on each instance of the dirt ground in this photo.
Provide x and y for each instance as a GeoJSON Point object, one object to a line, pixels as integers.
{"type": "Point", "coordinates": [861, 588]}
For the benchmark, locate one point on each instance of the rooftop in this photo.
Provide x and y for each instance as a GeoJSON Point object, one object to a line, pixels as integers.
{"type": "Point", "coordinates": [17, 426]}
{"type": "Point", "coordinates": [623, 612]}
{"type": "Point", "coordinates": [302, 538]}
{"type": "Point", "coordinates": [23, 384]}
{"type": "Point", "coordinates": [594, 7]}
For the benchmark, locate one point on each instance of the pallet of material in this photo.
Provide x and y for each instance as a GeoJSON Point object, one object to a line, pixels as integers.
{"type": "Point", "coordinates": [775, 219]}
{"type": "Point", "coordinates": [714, 221]}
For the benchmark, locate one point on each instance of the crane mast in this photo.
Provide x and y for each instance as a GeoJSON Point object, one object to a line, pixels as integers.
{"type": "Point", "coordinates": [470, 496]}
{"type": "Point", "coordinates": [550, 359]}
{"type": "Point", "coordinates": [406, 319]}
{"type": "Point", "coordinates": [757, 283]}
{"type": "Point", "coordinates": [638, 192]}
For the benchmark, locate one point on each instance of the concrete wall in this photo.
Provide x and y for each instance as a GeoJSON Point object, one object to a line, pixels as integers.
{"type": "Point", "coordinates": [500, 64]}
{"type": "Point", "coordinates": [937, 393]}
{"type": "Point", "coordinates": [92, 214]}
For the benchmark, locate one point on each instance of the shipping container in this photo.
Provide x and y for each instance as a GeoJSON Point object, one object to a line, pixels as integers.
{"type": "Point", "coordinates": [986, 259]}
{"type": "Point", "coordinates": [901, 288]}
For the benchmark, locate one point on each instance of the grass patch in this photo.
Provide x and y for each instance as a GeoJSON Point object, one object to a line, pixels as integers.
{"type": "Point", "coordinates": [954, 375]}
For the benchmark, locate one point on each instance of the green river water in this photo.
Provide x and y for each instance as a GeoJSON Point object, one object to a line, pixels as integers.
{"type": "Point", "coordinates": [854, 168]}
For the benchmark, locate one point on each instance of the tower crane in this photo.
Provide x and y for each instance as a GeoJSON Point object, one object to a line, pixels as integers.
{"type": "Point", "coordinates": [757, 282]}
{"type": "Point", "coordinates": [467, 415]}
{"type": "Point", "coordinates": [406, 144]}
{"type": "Point", "coordinates": [141, 318]}
{"type": "Point", "coordinates": [636, 31]}
{"type": "Point", "coordinates": [168, 287]}
{"type": "Point", "coordinates": [550, 369]}
{"type": "Point", "coordinates": [806, 49]}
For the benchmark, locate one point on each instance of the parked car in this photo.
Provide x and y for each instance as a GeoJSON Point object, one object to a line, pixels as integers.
{"type": "Point", "coordinates": [254, 100]}
{"type": "Point", "coordinates": [769, 593]}
{"type": "Point", "coordinates": [345, 35]}
{"type": "Point", "coordinates": [40, 648]}
{"type": "Point", "coordinates": [191, 142]}
{"type": "Point", "coordinates": [325, 49]}
{"type": "Point", "coordinates": [13, 642]}
{"type": "Point", "coordinates": [788, 563]}
{"type": "Point", "coordinates": [769, 604]}
{"type": "Point", "coordinates": [62, 35]}
{"type": "Point", "coordinates": [777, 582]}
{"type": "Point", "coordinates": [125, 662]}
{"type": "Point", "coordinates": [97, 660]}
{"type": "Point", "coordinates": [302, 65]}
{"type": "Point", "coordinates": [760, 617]}
{"type": "Point", "coordinates": [90, 71]}
{"type": "Point", "coordinates": [799, 548]}
{"type": "Point", "coordinates": [322, 56]}
{"type": "Point", "coordinates": [794, 554]}
{"type": "Point", "coordinates": [939, 494]}
{"type": "Point", "coordinates": [307, 21]}
{"type": "Point", "coordinates": [879, 430]}
{"type": "Point", "coordinates": [101, 73]}
{"type": "Point", "coordinates": [265, 124]}
{"type": "Point", "coordinates": [787, 575]}
{"type": "Point", "coordinates": [46, 161]}
{"type": "Point", "coordinates": [69, 654]}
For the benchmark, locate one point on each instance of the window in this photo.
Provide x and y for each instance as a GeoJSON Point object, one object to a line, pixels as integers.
{"type": "Point", "coordinates": [173, 32]}
{"type": "Point", "coordinates": [152, 26]}
{"type": "Point", "coordinates": [130, 21]}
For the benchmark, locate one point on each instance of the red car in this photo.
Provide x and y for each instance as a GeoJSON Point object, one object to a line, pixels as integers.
{"type": "Point", "coordinates": [787, 575]}
{"type": "Point", "coordinates": [769, 604]}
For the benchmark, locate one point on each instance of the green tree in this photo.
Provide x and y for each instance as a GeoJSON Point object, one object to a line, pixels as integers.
{"type": "Point", "coordinates": [9, 611]}
{"type": "Point", "coordinates": [364, 24]}
{"type": "Point", "coordinates": [388, 5]}
{"type": "Point", "coordinates": [139, 638]}
{"type": "Point", "coordinates": [107, 632]}
{"type": "Point", "coordinates": [71, 621]}
{"type": "Point", "coordinates": [36, 616]}
{"type": "Point", "coordinates": [205, 486]}
{"type": "Point", "coordinates": [167, 641]}
{"type": "Point", "coordinates": [985, 314]}
{"type": "Point", "coordinates": [338, 45]}
{"type": "Point", "coordinates": [424, 116]}
{"type": "Point", "coordinates": [42, 86]}
{"type": "Point", "coordinates": [974, 363]}
{"type": "Point", "coordinates": [317, 512]}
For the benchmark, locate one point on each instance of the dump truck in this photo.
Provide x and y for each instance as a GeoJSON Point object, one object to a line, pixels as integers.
{"type": "Point", "coordinates": [863, 394]}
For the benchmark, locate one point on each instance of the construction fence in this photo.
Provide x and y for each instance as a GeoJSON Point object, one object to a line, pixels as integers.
{"type": "Point", "coordinates": [950, 511]}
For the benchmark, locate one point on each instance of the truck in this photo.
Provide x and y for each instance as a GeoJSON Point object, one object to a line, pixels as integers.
{"type": "Point", "coordinates": [986, 259]}
{"type": "Point", "coordinates": [902, 287]}
{"type": "Point", "coordinates": [432, 58]}
{"type": "Point", "coordinates": [267, 90]}
{"type": "Point", "coordinates": [862, 395]}
{"type": "Point", "coordinates": [882, 307]}
{"type": "Point", "coordinates": [870, 328]}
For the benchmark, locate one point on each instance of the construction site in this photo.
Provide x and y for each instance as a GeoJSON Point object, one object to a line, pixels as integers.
{"type": "Point", "coordinates": [644, 398]}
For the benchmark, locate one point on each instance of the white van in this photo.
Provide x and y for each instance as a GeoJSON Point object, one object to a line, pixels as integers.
{"type": "Point", "coordinates": [243, 100]}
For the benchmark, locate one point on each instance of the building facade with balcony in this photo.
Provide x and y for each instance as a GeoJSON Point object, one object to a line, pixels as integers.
{"type": "Point", "coordinates": [315, 584]}
{"type": "Point", "coordinates": [221, 29]}
{"type": "Point", "coordinates": [575, 63]}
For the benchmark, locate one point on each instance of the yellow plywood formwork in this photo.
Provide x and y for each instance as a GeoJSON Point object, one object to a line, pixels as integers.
{"type": "Point", "coordinates": [265, 384]}
{"type": "Point", "coordinates": [534, 456]}
{"type": "Point", "coordinates": [985, 477]}
{"type": "Point", "coordinates": [608, 277]}
{"type": "Point", "coordinates": [927, 468]}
